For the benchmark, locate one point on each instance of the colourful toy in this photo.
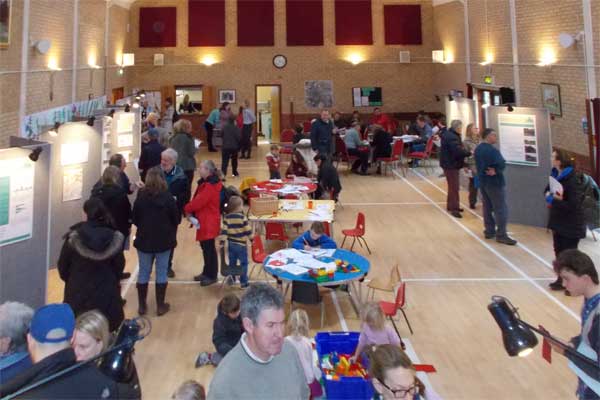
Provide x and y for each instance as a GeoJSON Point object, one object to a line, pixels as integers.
{"type": "Point", "coordinates": [346, 268]}
{"type": "Point", "coordinates": [321, 275]}
{"type": "Point", "coordinates": [336, 366]}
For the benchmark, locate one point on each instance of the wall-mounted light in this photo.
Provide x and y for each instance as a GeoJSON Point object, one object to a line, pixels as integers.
{"type": "Point", "coordinates": [510, 108]}
{"type": "Point", "coordinates": [547, 57]}
{"type": "Point", "coordinates": [208, 60]}
{"type": "Point", "coordinates": [355, 58]}
{"type": "Point", "coordinates": [437, 98]}
{"type": "Point", "coordinates": [35, 154]}
{"type": "Point", "coordinates": [91, 120]}
{"type": "Point", "coordinates": [127, 109]}
{"type": "Point", "coordinates": [489, 59]}
{"type": "Point", "coordinates": [567, 40]}
{"type": "Point", "coordinates": [53, 64]}
{"type": "Point", "coordinates": [42, 46]}
{"type": "Point", "coordinates": [450, 97]}
{"type": "Point", "coordinates": [54, 131]}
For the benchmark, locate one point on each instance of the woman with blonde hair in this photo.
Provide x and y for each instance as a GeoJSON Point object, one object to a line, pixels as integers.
{"type": "Point", "coordinates": [394, 376]}
{"type": "Point", "coordinates": [374, 330]}
{"type": "Point", "coordinates": [156, 216]}
{"type": "Point", "coordinates": [471, 141]}
{"type": "Point", "coordinates": [298, 327]}
{"type": "Point", "coordinates": [91, 336]}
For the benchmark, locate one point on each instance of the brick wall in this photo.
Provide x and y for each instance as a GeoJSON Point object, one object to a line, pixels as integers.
{"type": "Point", "coordinates": [538, 24]}
{"type": "Point", "coordinates": [405, 87]}
{"type": "Point", "coordinates": [53, 20]}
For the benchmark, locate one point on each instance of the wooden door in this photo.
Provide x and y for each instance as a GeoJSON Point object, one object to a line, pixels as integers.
{"type": "Point", "coordinates": [165, 92]}
{"type": "Point", "coordinates": [275, 114]}
{"type": "Point", "coordinates": [117, 94]}
{"type": "Point", "coordinates": [209, 100]}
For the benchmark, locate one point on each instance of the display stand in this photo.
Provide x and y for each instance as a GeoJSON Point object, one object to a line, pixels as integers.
{"type": "Point", "coordinates": [24, 263]}
{"type": "Point", "coordinates": [122, 134]}
{"type": "Point", "coordinates": [528, 166]}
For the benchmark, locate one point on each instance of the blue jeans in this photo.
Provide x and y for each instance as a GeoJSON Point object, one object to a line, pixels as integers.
{"type": "Point", "coordinates": [162, 265]}
{"type": "Point", "coordinates": [239, 252]}
{"type": "Point", "coordinates": [495, 210]}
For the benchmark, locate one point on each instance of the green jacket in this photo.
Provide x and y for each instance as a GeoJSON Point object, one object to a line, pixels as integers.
{"type": "Point", "coordinates": [183, 144]}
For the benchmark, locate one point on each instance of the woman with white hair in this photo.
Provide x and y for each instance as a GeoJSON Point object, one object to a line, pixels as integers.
{"type": "Point", "coordinates": [14, 324]}
{"type": "Point", "coordinates": [452, 160]}
{"type": "Point", "coordinates": [206, 207]}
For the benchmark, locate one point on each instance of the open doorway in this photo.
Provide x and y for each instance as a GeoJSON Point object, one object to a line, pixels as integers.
{"type": "Point", "coordinates": [268, 112]}
{"type": "Point", "coordinates": [117, 94]}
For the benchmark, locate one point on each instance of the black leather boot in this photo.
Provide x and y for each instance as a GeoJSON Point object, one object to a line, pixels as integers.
{"type": "Point", "coordinates": [161, 307]}
{"type": "Point", "coordinates": [142, 289]}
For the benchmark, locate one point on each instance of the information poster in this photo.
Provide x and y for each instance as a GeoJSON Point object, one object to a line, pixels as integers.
{"type": "Point", "coordinates": [74, 153]}
{"type": "Point", "coordinates": [16, 200]}
{"type": "Point", "coordinates": [72, 183]}
{"type": "Point", "coordinates": [518, 139]}
{"type": "Point", "coordinates": [125, 140]}
{"type": "Point", "coordinates": [125, 122]}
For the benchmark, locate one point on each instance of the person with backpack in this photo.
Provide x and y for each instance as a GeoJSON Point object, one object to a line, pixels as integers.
{"type": "Point", "coordinates": [206, 208]}
{"type": "Point", "coordinates": [566, 208]}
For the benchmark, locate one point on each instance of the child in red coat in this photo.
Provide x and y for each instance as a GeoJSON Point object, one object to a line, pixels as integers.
{"type": "Point", "coordinates": [273, 161]}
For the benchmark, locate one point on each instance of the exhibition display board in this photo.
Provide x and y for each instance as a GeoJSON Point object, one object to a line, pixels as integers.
{"type": "Point", "coordinates": [122, 134]}
{"type": "Point", "coordinates": [462, 109]}
{"type": "Point", "coordinates": [525, 140]}
{"type": "Point", "coordinates": [24, 198]}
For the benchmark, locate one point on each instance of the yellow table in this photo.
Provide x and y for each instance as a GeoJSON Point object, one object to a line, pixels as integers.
{"type": "Point", "coordinates": [298, 211]}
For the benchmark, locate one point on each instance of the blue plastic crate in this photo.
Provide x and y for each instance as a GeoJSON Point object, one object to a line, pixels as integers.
{"type": "Point", "coordinates": [346, 387]}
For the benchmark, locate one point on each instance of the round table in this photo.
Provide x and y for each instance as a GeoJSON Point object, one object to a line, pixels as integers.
{"type": "Point", "coordinates": [269, 187]}
{"type": "Point", "coordinates": [340, 278]}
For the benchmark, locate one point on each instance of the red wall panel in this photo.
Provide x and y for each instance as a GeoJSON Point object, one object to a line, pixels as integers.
{"type": "Point", "coordinates": [256, 23]}
{"type": "Point", "coordinates": [402, 24]}
{"type": "Point", "coordinates": [353, 22]}
{"type": "Point", "coordinates": [206, 23]}
{"type": "Point", "coordinates": [304, 22]}
{"type": "Point", "coordinates": [158, 27]}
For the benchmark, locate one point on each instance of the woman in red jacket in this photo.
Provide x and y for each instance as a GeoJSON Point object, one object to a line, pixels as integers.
{"type": "Point", "coordinates": [205, 206]}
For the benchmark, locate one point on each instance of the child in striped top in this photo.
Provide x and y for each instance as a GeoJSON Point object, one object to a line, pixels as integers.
{"type": "Point", "coordinates": [238, 232]}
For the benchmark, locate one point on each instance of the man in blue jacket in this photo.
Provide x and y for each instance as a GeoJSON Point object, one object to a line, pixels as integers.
{"type": "Point", "coordinates": [490, 174]}
{"type": "Point", "coordinates": [321, 134]}
{"type": "Point", "coordinates": [315, 238]}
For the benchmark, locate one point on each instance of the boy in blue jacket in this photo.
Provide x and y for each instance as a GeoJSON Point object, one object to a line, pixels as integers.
{"type": "Point", "coordinates": [315, 238]}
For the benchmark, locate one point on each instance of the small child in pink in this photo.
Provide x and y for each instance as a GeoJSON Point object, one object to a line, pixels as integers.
{"type": "Point", "coordinates": [298, 329]}
{"type": "Point", "coordinates": [374, 330]}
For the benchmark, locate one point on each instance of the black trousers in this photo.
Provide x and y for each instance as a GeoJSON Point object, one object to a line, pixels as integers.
{"type": "Point", "coordinates": [472, 192]}
{"type": "Point", "coordinates": [211, 262]}
{"type": "Point", "coordinates": [209, 133]}
{"type": "Point", "coordinates": [190, 178]}
{"type": "Point", "coordinates": [226, 155]}
{"type": "Point", "coordinates": [363, 159]}
{"type": "Point", "coordinates": [562, 243]}
{"type": "Point", "coordinates": [246, 144]}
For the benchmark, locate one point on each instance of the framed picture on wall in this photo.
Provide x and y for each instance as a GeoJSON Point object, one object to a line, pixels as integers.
{"type": "Point", "coordinates": [4, 23]}
{"type": "Point", "coordinates": [551, 98]}
{"type": "Point", "coordinates": [227, 95]}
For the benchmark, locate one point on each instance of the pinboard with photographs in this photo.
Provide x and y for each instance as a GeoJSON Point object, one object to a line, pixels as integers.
{"type": "Point", "coordinates": [318, 94]}
{"type": "Point", "coordinates": [227, 95]}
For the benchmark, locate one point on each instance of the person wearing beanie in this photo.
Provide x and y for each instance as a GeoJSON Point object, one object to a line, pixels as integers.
{"type": "Point", "coordinates": [49, 343]}
{"type": "Point", "coordinates": [151, 151]}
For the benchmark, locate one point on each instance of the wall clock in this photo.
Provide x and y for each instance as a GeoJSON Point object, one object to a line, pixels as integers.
{"type": "Point", "coordinates": [279, 61]}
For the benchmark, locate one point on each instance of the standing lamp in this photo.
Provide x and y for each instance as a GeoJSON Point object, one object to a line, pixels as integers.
{"type": "Point", "coordinates": [518, 337]}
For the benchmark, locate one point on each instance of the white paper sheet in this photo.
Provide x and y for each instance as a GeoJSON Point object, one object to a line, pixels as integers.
{"type": "Point", "coordinates": [293, 205]}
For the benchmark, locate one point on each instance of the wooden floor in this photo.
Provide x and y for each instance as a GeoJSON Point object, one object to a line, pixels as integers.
{"type": "Point", "coordinates": [451, 273]}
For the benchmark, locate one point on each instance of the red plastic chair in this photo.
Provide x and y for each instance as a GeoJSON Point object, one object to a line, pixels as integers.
{"type": "Point", "coordinates": [258, 253]}
{"type": "Point", "coordinates": [342, 152]}
{"type": "Point", "coordinates": [391, 309]}
{"type": "Point", "coordinates": [276, 231]}
{"type": "Point", "coordinates": [327, 228]}
{"type": "Point", "coordinates": [306, 126]}
{"type": "Point", "coordinates": [357, 233]}
{"type": "Point", "coordinates": [395, 158]}
{"type": "Point", "coordinates": [423, 155]}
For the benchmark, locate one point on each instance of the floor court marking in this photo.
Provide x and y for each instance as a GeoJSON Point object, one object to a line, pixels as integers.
{"type": "Point", "coordinates": [400, 203]}
{"type": "Point", "coordinates": [339, 312]}
{"type": "Point", "coordinates": [495, 252]}
{"type": "Point", "coordinates": [414, 280]}
{"type": "Point", "coordinates": [130, 281]}
{"type": "Point", "coordinates": [412, 354]}
{"type": "Point", "coordinates": [519, 244]}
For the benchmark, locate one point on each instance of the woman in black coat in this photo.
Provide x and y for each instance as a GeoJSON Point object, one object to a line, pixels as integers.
{"type": "Point", "coordinates": [115, 200]}
{"type": "Point", "coordinates": [156, 216]}
{"type": "Point", "coordinates": [566, 209]}
{"type": "Point", "coordinates": [90, 264]}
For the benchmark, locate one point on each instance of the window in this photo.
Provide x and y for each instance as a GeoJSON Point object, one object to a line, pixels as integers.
{"type": "Point", "coordinates": [188, 99]}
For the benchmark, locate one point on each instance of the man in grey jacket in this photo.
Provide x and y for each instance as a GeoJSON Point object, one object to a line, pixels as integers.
{"type": "Point", "coordinates": [262, 365]}
{"type": "Point", "coordinates": [232, 136]}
